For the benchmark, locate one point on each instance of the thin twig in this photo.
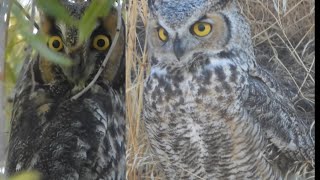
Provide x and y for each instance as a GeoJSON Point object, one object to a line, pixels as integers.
{"type": "Point", "coordinates": [105, 61]}
{"type": "Point", "coordinates": [29, 49]}
{"type": "Point", "coordinates": [310, 132]}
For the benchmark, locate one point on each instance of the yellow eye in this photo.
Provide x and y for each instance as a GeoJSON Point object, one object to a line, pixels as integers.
{"type": "Point", "coordinates": [101, 42]}
{"type": "Point", "coordinates": [201, 29]}
{"type": "Point", "coordinates": [163, 35]}
{"type": "Point", "coordinates": [55, 43]}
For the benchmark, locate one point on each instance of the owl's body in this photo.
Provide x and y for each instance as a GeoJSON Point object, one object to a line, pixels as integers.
{"type": "Point", "coordinates": [63, 138]}
{"type": "Point", "coordinates": [210, 111]}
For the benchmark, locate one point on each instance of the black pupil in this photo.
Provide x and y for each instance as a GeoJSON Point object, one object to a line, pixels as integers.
{"type": "Point", "coordinates": [56, 44]}
{"type": "Point", "coordinates": [201, 27]}
{"type": "Point", "coordinates": [165, 33]}
{"type": "Point", "coordinates": [101, 43]}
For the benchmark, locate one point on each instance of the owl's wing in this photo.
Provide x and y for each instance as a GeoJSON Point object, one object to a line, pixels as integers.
{"type": "Point", "coordinates": [85, 139]}
{"type": "Point", "coordinates": [288, 130]}
{"type": "Point", "coordinates": [33, 101]}
{"type": "Point", "coordinates": [25, 119]}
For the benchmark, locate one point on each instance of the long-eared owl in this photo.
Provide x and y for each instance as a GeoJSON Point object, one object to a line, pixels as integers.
{"type": "Point", "coordinates": [63, 138]}
{"type": "Point", "coordinates": [210, 111]}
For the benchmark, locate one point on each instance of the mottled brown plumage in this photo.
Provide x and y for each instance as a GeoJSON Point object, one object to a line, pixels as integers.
{"type": "Point", "coordinates": [63, 138]}
{"type": "Point", "coordinates": [211, 112]}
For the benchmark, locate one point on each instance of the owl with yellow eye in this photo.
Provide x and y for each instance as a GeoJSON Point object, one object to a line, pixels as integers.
{"type": "Point", "coordinates": [210, 111]}
{"type": "Point", "coordinates": [63, 138]}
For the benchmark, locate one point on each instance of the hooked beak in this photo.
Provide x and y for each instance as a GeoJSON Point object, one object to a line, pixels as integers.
{"type": "Point", "coordinates": [76, 54]}
{"type": "Point", "coordinates": [76, 70]}
{"type": "Point", "coordinates": [178, 49]}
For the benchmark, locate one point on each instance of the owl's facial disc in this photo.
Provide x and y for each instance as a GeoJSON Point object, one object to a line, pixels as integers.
{"type": "Point", "coordinates": [199, 29]}
{"type": "Point", "coordinates": [205, 34]}
{"type": "Point", "coordinates": [87, 57]}
{"type": "Point", "coordinates": [78, 72]}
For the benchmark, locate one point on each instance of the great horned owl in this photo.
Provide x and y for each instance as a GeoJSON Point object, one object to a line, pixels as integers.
{"type": "Point", "coordinates": [63, 138]}
{"type": "Point", "coordinates": [210, 111]}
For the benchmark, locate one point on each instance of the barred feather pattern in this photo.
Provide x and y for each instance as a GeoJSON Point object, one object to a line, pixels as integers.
{"type": "Point", "coordinates": [213, 120]}
{"type": "Point", "coordinates": [210, 111]}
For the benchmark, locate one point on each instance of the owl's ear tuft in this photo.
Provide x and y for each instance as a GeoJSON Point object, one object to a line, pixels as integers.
{"type": "Point", "coordinates": [46, 22]}
{"type": "Point", "coordinates": [220, 4]}
{"type": "Point", "coordinates": [152, 8]}
{"type": "Point", "coordinates": [151, 4]}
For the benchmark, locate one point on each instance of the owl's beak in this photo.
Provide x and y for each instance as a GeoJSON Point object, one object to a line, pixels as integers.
{"type": "Point", "coordinates": [76, 53]}
{"type": "Point", "coordinates": [178, 48]}
{"type": "Point", "coordinates": [77, 69]}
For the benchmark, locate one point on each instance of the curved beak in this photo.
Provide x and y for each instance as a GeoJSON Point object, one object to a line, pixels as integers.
{"type": "Point", "coordinates": [77, 54]}
{"type": "Point", "coordinates": [76, 72]}
{"type": "Point", "coordinates": [178, 48]}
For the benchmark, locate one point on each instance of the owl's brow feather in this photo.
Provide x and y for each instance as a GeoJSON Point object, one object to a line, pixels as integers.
{"type": "Point", "coordinates": [179, 11]}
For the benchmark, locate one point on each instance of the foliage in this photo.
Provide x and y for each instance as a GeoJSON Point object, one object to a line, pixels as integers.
{"type": "Point", "coordinates": [38, 42]}
{"type": "Point", "coordinates": [20, 33]}
{"type": "Point", "coordinates": [31, 175]}
{"type": "Point", "coordinates": [96, 9]}
{"type": "Point", "coordinates": [55, 9]}
{"type": "Point", "coordinates": [24, 40]}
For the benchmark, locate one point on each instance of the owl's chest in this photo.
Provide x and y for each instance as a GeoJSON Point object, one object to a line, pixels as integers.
{"type": "Point", "coordinates": [206, 91]}
{"type": "Point", "coordinates": [192, 118]}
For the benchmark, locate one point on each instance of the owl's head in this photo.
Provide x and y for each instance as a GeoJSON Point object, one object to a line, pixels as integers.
{"type": "Point", "coordinates": [86, 56]}
{"type": "Point", "coordinates": [181, 30]}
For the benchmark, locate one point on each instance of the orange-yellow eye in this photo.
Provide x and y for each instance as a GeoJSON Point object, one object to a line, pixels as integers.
{"type": "Point", "coordinates": [101, 42]}
{"type": "Point", "coordinates": [201, 29]}
{"type": "Point", "coordinates": [163, 35]}
{"type": "Point", "coordinates": [55, 43]}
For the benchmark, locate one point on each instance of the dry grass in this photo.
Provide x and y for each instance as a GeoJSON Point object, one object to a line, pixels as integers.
{"type": "Point", "coordinates": [283, 36]}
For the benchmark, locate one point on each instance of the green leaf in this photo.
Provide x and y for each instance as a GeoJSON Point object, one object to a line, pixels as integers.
{"type": "Point", "coordinates": [31, 175]}
{"type": "Point", "coordinates": [55, 9]}
{"type": "Point", "coordinates": [38, 42]}
{"type": "Point", "coordinates": [97, 8]}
